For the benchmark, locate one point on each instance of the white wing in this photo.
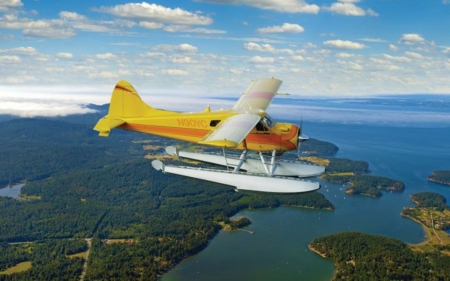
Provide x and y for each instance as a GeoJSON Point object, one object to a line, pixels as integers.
{"type": "Point", "coordinates": [232, 131]}
{"type": "Point", "coordinates": [258, 95]}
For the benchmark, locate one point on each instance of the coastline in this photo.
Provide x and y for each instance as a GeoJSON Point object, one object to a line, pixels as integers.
{"type": "Point", "coordinates": [317, 252]}
{"type": "Point", "coordinates": [439, 182]}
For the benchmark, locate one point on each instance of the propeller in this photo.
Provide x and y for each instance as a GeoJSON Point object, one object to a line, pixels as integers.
{"type": "Point", "coordinates": [301, 138]}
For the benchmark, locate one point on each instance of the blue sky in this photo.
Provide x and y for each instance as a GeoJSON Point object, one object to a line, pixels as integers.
{"type": "Point", "coordinates": [216, 47]}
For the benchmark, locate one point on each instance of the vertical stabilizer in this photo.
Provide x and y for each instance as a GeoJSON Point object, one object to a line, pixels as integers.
{"type": "Point", "coordinates": [125, 102]}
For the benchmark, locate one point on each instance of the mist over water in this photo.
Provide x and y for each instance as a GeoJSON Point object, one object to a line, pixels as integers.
{"type": "Point", "coordinates": [406, 150]}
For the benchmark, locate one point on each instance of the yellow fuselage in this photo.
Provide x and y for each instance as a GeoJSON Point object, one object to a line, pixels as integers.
{"type": "Point", "coordinates": [193, 127]}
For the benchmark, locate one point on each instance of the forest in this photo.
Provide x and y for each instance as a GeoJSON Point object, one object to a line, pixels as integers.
{"type": "Point", "coordinates": [359, 256]}
{"type": "Point", "coordinates": [103, 188]}
{"type": "Point", "coordinates": [429, 199]}
{"type": "Point", "coordinates": [354, 173]}
{"type": "Point", "coordinates": [442, 177]}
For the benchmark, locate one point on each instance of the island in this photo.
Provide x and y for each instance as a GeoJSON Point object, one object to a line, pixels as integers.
{"type": "Point", "coordinates": [354, 173]}
{"type": "Point", "coordinates": [359, 256]}
{"type": "Point", "coordinates": [442, 177]}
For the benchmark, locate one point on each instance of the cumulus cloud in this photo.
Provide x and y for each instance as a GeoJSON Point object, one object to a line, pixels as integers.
{"type": "Point", "coordinates": [106, 56]}
{"type": "Point", "coordinates": [258, 59]}
{"type": "Point", "coordinates": [9, 59]}
{"type": "Point", "coordinates": [286, 6]}
{"type": "Point", "coordinates": [174, 72]}
{"type": "Point", "coordinates": [393, 48]}
{"type": "Point", "coordinates": [56, 28]}
{"type": "Point", "coordinates": [396, 58]}
{"type": "Point", "coordinates": [343, 44]}
{"type": "Point", "coordinates": [411, 38]}
{"type": "Point", "coordinates": [285, 28]}
{"type": "Point", "coordinates": [298, 58]}
{"type": "Point", "coordinates": [155, 13]}
{"type": "Point", "coordinates": [266, 48]}
{"type": "Point", "coordinates": [71, 16]}
{"type": "Point", "coordinates": [188, 29]}
{"type": "Point", "coordinates": [64, 55]}
{"type": "Point", "coordinates": [181, 48]}
{"type": "Point", "coordinates": [414, 55]}
{"type": "Point", "coordinates": [20, 51]}
{"type": "Point", "coordinates": [11, 3]}
{"type": "Point", "coordinates": [151, 25]}
{"type": "Point", "coordinates": [348, 8]}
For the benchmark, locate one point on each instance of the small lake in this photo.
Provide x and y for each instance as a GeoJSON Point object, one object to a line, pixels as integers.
{"type": "Point", "coordinates": [12, 192]}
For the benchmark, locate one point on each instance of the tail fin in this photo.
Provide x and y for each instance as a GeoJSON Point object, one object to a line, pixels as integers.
{"type": "Point", "coordinates": [125, 103]}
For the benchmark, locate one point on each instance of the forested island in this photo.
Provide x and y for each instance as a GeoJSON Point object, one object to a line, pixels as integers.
{"type": "Point", "coordinates": [100, 196]}
{"type": "Point", "coordinates": [442, 177]}
{"type": "Point", "coordinates": [354, 173]}
{"type": "Point", "coordinates": [359, 256]}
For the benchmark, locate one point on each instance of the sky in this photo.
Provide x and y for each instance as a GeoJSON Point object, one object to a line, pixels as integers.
{"type": "Point", "coordinates": [76, 51]}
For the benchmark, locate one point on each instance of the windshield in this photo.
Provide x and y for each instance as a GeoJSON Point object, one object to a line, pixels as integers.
{"type": "Point", "coordinates": [268, 121]}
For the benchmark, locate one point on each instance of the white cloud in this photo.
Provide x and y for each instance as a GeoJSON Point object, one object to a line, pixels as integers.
{"type": "Point", "coordinates": [11, 3]}
{"type": "Point", "coordinates": [182, 47]}
{"type": "Point", "coordinates": [258, 59]}
{"type": "Point", "coordinates": [9, 59]}
{"type": "Point", "coordinates": [414, 55]}
{"type": "Point", "coordinates": [180, 59]}
{"type": "Point", "coordinates": [286, 6]}
{"type": "Point", "coordinates": [174, 72]}
{"type": "Point", "coordinates": [21, 51]}
{"type": "Point", "coordinates": [348, 8]}
{"type": "Point", "coordinates": [71, 16]}
{"type": "Point", "coordinates": [343, 44]}
{"type": "Point", "coordinates": [285, 28]}
{"type": "Point", "coordinates": [151, 25]}
{"type": "Point", "coordinates": [411, 38]}
{"type": "Point", "coordinates": [188, 29]}
{"type": "Point", "coordinates": [155, 13]}
{"type": "Point", "coordinates": [266, 48]}
{"type": "Point", "coordinates": [393, 48]}
{"type": "Point", "coordinates": [344, 55]}
{"type": "Point", "coordinates": [298, 58]}
{"type": "Point", "coordinates": [64, 55]}
{"type": "Point", "coordinates": [106, 56]}
{"type": "Point", "coordinates": [446, 50]}
{"type": "Point", "coordinates": [373, 40]}
{"type": "Point", "coordinates": [397, 59]}
{"type": "Point", "coordinates": [55, 28]}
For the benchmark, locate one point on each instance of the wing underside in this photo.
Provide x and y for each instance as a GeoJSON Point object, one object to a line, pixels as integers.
{"type": "Point", "coordinates": [232, 131]}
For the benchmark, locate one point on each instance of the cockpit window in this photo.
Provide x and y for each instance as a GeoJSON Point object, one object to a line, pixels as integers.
{"type": "Point", "coordinates": [267, 120]}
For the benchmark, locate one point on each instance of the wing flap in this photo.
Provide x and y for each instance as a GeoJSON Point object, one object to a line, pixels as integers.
{"type": "Point", "coordinates": [258, 95]}
{"type": "Point", "coordinates": [232, 131]}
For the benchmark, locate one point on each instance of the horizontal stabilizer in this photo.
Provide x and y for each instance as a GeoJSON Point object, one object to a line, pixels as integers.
{"type": "Point", "coordinates": [105, 125]}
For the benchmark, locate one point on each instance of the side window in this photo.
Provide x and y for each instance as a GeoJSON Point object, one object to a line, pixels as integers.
{"type": "Point", "coordinates": [260, 127]}
{"type": "Point", "coordinates": [214, 123]}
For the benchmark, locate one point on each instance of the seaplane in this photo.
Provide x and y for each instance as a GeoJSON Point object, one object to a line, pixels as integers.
{"type": "Point", "coordinates": [246, 127]}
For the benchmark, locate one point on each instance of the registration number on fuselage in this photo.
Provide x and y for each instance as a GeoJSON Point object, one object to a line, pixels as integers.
{"type": "Point", "coordinates": [192, 123]}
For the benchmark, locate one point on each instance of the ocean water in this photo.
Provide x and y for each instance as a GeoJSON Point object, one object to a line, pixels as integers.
{"type": "Point", "coordinates": [401, 139]}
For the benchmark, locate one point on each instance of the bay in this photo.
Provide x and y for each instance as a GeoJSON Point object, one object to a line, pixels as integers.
{"type": "Point", "coordinates": [279, 247]}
